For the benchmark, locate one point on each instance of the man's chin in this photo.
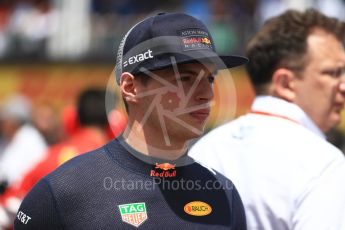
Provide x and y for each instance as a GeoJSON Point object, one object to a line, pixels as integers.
{"type": "Point", "coordinates": [333, 123]}
{"type": "Point", "coordinates": [196, 132]}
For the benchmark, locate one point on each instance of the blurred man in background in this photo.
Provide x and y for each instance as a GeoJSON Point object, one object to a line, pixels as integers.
{"type": "Point", "coordinates": [24, 145]}
{"type": "Point", "coordinates": [46, 119]}
{"type": "Point", "coordinates": [287, 174]}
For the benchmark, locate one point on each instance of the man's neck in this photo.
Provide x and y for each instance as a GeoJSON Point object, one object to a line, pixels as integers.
{"type": "Point", "coordinates": [153, 144]}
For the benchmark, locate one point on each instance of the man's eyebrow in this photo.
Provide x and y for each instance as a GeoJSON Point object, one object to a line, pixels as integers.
{"type": "Point", "coordinates": [193, 72]}
{"type": "Point", "coordinates": [188, 71]}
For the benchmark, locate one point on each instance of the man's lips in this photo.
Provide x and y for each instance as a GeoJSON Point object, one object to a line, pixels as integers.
{"type": "Point", "coordinates": [339, 106]}
{"type": "Point", "coordinates": [200, 114]}
{"type": "Point", "coordinates": [338, 109]}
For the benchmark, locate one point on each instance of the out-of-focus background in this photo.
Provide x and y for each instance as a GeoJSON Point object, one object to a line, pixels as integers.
{"type": "Point", "coordinates": [50, 50]}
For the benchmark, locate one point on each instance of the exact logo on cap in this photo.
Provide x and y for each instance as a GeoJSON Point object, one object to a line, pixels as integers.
{"type": "Point", "coordinates": [138, 58]}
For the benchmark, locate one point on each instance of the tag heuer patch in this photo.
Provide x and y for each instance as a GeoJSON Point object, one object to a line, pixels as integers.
{"type": "Point", "coordinates": [133, 214]}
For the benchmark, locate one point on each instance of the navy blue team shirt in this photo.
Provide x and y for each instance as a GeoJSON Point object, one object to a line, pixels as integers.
{"type": "Point", "coordinates": [115, 187]}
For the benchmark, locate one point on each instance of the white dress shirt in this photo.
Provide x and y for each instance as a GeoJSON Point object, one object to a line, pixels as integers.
{"type": "Point", "coordinates": [288, 175]}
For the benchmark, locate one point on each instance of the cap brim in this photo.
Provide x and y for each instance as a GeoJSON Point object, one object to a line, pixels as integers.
{"type": "Point", "coordinates": [233, 61]}
{"type": "Point", "coordinates": [164, 61]}
{"type": "Point", "coordinates": [222, 61]}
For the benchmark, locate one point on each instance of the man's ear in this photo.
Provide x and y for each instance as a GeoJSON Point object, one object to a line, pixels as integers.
{"type": "Point", "coordinates": [283, 84]}
{"type": "Point", "coordinates": [128, 88]}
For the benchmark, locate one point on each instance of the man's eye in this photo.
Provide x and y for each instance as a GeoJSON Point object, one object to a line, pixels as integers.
{"type": "Point", "coordinates": [335, 72]}
{"type": "Point", "coordinates": [211, 79]}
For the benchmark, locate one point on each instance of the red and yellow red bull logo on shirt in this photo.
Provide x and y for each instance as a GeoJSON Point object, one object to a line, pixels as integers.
{"type": "Point", "coordinates": [163, 170]}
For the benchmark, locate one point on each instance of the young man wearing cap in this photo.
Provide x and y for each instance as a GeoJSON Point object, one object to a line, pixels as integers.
{"type": "Point", "coordinates": [165, 69]}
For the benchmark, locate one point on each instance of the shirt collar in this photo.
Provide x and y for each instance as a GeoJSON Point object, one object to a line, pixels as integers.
{"type": "Point", "coordinates": [280, 107]}
{"type": "Point", "coordinates": [122, 153]}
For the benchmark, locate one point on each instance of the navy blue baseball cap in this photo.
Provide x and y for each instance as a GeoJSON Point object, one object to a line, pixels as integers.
{"type": "Point", "coordinates": [166, 38]}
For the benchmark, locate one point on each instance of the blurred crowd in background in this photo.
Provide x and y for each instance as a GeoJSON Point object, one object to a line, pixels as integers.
{"type": "Point", "coordinates": [84, 31]}
{"type": "Point", "coordinates": [91, 29]}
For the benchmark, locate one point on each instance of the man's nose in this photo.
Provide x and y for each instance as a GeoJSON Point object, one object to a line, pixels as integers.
{"type": "Point", "coordinates": [204, 91]}
{"type": "Point", "coordinates": [342, 83]}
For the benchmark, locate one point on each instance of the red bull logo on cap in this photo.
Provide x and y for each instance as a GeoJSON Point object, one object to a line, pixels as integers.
{"type": "Point", "coordinates": [195, 39]}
